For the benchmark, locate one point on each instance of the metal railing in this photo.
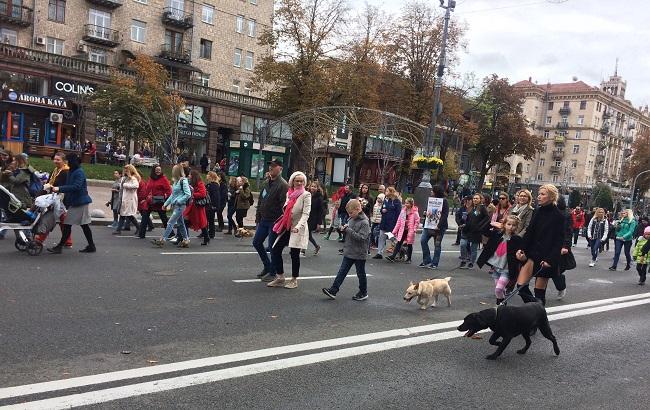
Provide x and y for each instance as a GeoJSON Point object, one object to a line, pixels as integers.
{"type": "Point", "coordinates": [104, 34]}
{"type": "Point", "coordinates": [176, 53]}
{"type": "Point", "coordinates": [172, 15]}
{"type": "Point", "coordinates": [565, 111]}
{"type": "Point", "coordinates": [562, 125]}
{"type": "Point", "coordinates": [15, 13]}
{"type": "Point", "coordinates": [113, 4]}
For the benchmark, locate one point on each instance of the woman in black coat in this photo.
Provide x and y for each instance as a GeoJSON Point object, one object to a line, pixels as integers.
{"type": "Point", "coordinates": [477, 221]}
{"type": "Point", "coordinates": [223, 199]}
{"type": "Point", "coordinates": [559, 280]}
{"type": "Point", "coordinates": [315, 214]}
{"type": "Point", "coordinates": [542, 245]}
{"type": "Point", "coordinates": [214, 193]}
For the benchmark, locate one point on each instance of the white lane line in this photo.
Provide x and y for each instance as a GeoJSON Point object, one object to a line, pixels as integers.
{"type": "Point", "coordinates": [210, 253]}
{"type": "Point", "coordinates": [75, 382]}
{"type": "Point", "coordinates": [299, 279]}
{"type": "Point", "coordinates": [139, 389]}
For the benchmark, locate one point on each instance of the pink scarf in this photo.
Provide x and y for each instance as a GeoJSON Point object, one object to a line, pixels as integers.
{"type": "Point", "coordinates": [284, 222]}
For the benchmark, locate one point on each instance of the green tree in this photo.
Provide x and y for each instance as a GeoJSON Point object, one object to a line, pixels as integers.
{"type": "Point", "coordinates": [601, 197]}
{"type": "Point", "coordinates": [640, 161]}
{"type": "Point", "coordinates": [574, 198]}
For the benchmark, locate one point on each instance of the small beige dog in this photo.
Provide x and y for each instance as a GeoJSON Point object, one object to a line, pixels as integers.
{"type": "Point", "coordinates": [427, 292]}
{"type": "Point", "coordinates": [243, 233]}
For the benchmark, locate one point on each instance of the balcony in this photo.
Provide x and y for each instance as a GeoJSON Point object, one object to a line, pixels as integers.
{"type": "Point", "coordinates": [607, 115]}
{"type": "Point", "coordinates": [177, 18]}
{"type": "Point", "coordinates": [110, 4]}
{"type": "Point", "coordinates": [559, 139]}
{"type": "Point", "coordinates": [600, 158]}
{"type": "Point", "coordinates": [179, 54]}
{"type": "Point", "coordinates": [604, 129]}
{"type": "Point", "coordinates": [628, 140]}
{"type": "Point", "coordinates": [102, 35]}
{"type": "Point", "coordinates": [562, 125]}
{"type": "Point", "coordinates": [631, 126]}
{"type": "Point", "coordinates": [558, 155]}
{"type": "Point", "coordinates": [627, 152]}
{"type": "Point", "coordinates": [555, 169]}
{"type": "Point", "coordinates": [602, 145]}
{"type": "Point", "coordinates": [565, 111]}
{"type": "Point", "coordinates": [15, 14]}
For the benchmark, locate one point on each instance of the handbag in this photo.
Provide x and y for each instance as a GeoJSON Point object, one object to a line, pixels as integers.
{"type": "Point", "coordinates": [157, 199]}
{"type": "Point", "coordinates": [567, 262]}
{"type": "Point", "coordinates": [205, 201]}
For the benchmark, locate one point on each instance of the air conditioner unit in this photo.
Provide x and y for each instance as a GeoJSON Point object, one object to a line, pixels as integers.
{"type": "Point", "coordinates": [40, 41]}
{"type": "Point", "coordinates": [56, 117]}
{"type": "Point", "coordinates": [82, 47]}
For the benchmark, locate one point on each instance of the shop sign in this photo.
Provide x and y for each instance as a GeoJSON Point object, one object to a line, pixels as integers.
{"type": "Point", "coordinates": [61, 86]}
{"type": "Point", "coordinates": [193, 122]}
{"type": "Point", "coordinates": [52, 102]}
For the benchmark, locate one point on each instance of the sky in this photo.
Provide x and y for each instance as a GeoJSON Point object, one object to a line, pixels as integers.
{"type": "Point", "coordinates": [553, 40]}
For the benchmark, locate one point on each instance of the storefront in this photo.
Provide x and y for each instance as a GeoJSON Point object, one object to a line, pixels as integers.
{"type": "Point", "coordinates": [193, 131]}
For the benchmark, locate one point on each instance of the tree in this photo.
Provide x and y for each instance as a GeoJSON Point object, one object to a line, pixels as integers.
{"type": "Point", "coordinates": [449, 169]}
{"type": "Point", "coordinates": [139, 108]}
{"type": "Point", "coordinates": [575, 198]}
{"type": "Point", "coordinates": [502, 129]}
{"type": "Point", "coordinates": [601, 197]}
{"type": "Point", "coordinates": [640, 161]}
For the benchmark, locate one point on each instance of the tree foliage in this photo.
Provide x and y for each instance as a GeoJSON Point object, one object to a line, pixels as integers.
{"type": "Point", "coordinates": [138, 107]}
{"type": "Point", "coordinates": [640, 161]}
{"type": "Point", "coordinates": [601, 197]}
{"type": "Point", "coordinates": [575, 198]}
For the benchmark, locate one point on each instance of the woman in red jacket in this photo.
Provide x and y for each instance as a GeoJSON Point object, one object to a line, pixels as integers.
{"type": "Point", "coordinates": [195, 212]}
{"type": "Point", "coordinates": [157, 190]}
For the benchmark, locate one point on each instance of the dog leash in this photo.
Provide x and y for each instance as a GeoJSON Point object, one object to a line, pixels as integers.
{"type": "Point", "coordinates": [518, 288]}
{"type": "Point", "coordinates": [443, 275]}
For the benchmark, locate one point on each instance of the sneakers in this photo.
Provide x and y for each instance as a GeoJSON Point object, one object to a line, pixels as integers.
{"type": "Point", "coordinates": [261, 274]}
{"type": "Point", "coordinates": [340, 251]}
{"type": "Point", "coordinates": [463, 265]}
{"type": "Point", "coordinates": [329, 293]}
{"type": "Point", "coordinates": [290, 284]}
{"type": "Point", "coordinates": [185, 243]}
{"type": "Point", "coordinates": [158, 242]}
{"type": "Point", "coordinates": [641, 283]}
{"type": "Point", "coordinates": [267, 278]}
{"type": "Point", "coordinates": [561, 294]}
{"type": "Point", "coordinates": [434, 267]}
{"type": "Point", "coordinates": [88, 249]}
{"type": "Point", "coordinates": [612, 268]}
{"type": "Point", "coordinates": [592, 264]}
{"type": "Point", "coordinates": [470, 266]}
{"type": "Point", "coordinates": [627, 267]}
{"type": "Point", "coordinates": [276, 283]}
{"type": "Point", "coordinates": [316, 250]}
{"type": "Point", "coordinates": [360, 296]}
{"type": "Point", "coordinates": [56, 250]}
{"type": "Point", "coordinates": [378, 256]}
{"type": "Point", "coordinates": [423, 265]}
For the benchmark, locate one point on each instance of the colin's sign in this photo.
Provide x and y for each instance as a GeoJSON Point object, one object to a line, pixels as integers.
{"type": "Point", "coordinates": [61, 86]}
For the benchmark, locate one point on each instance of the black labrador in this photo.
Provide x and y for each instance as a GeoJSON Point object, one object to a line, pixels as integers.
{"type": "Point", "coordinates": [508, 322]}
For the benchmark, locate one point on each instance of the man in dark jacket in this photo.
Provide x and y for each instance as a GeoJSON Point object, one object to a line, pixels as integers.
{"type": "Point", "coordinates": [269, 208]}
{"type": "Point", "coordinates": [437, 234]}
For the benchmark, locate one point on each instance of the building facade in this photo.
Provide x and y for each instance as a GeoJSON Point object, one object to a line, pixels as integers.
{"type": "Point", "coordinates": [588, 132]}
{"type": "Point", "coordinates": [54, 53]}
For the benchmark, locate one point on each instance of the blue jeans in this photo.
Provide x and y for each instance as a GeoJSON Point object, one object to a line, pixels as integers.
{"type": "Point", "coordinates": [264, 229]}
{"type": "Point", "coordinates": [618, 245]}
{"type": "Point", "coordinates": [176, 218]}
{"type": "Point", "coordinates": [437, 243]}
{"type": "Point", "coordinates": [346, 264]}
{"type": "Point", "coordinates": [595, 247]}
{"type": "Point", "coordinates": [473, 250]}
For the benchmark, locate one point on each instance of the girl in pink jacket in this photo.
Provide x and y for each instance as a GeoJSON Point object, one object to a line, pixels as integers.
{"type": "Point", "coordinates": [405, 228]}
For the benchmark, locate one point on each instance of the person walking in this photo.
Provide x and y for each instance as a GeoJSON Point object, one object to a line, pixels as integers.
{"type": "Point", "coordinates": [559, 280]}
{"type": "Point", "coordinates": [176, 202]}
{"type": "Point", "coordinates": [354, 252]}
{"type": "Point", "coordinates": [597, 232]}
{"type": "Point", "coordinates": [542, 246]}
{"type": "Point", "coordinates": [577, 223]}
{"type": "Point", "coordinates": [58, 178]}
{"type": "Point", "coordinates": [269, 208]}
{"type": "Point", "coordinates": [157, 190]}
{"type": "Point", "coordinates": [223, 199]}
{"type": "Point", "coordinates": [129, 202]}
{"type": "Point", "coordinates": [243, 202]}
{"type": "Point", "coordinates": [375, 220]}
{"type": "Point", "coordinates": [437, 234]}
{"type": "Point", "coordinates": [641, 255]}
{"type": "Point", "coordinates": [232, 205]}
{"type": "Point", "coordinates": [625, 228]}
{"type": "Point", "coordinates": [214, 192]}
{"type": "Point", "coordinates": [343, 213]}
{"type": "Point", "coordinates": [292, 231]}
{"type": "Point", "coordinates": [502, 210]}
{"type": "Point", "coordinates": [523, 209]}
{"type": "Point", "coordinates": [316, 213]}
{"type": "Point", "coordinates": [390, 211]}
{"type": "Point", "coordinates": [114, 202]}
{"type": "Point", "coordinates": [405, 229]}
{"type": "Point", "coordinates": [194, 213]}
{"type": "Point", "coordinates": [205, 163]}
{"type": "Point", "coordinates": [76, 201]}
{"type": "Point", "coordinates": [477, 220]}
{"type": "Point", "coordinates": [461, 217]}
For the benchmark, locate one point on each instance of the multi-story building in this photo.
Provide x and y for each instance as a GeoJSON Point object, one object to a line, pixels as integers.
{"type": "Point", "coordinates": [54, 52]}
{"type": "Point", "coordinates": [588, 132]}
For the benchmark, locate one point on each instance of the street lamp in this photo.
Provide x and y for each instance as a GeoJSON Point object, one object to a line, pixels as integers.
{"type": "Point", "coordinates": [634, 186]}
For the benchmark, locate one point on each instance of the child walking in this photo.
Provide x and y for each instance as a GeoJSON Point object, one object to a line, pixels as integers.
{"type": "Point", "coordinates": [640, 255]}
{"type": "Point", "coordinates": [500, 254]}
{"type": "Point", "coordinates": [355, 251]}
{"type": "Point", "coordinates": [404, 231]}
{"type": "Point", "coordinates": [375, 220]}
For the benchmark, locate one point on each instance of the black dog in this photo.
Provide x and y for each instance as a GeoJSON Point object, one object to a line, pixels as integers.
{"type": "Point", "coordinates": [509, 322]}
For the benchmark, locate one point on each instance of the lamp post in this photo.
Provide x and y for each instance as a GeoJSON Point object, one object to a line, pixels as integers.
{"type": "Point", "coordinates": [634, 187]}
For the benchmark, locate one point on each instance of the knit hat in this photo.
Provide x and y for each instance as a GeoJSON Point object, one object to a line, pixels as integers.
{"type": "Point", "coordinates": [646, 230]}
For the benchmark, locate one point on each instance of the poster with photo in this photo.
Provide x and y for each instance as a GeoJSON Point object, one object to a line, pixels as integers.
{"type": "Point", "coordinates": [434, 206]}
{"type": "Point", "coordinates": [257, 165]}
{"type": "Point", "coordinates": [233, 163]}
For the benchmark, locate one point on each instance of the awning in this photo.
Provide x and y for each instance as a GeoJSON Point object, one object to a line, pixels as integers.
{"type": "Point", "coordinates": [177, 65]}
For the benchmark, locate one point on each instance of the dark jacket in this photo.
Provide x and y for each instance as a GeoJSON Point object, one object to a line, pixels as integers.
{"type": "Point", "coordinates": [343, 213]}
{"type": "Point", "coordinates": [214, 192]}
{"type": "Point", "coordinates": [367, 209]}
{"type": "Point", "coordinates": [271, 200]}
{"type": "Point", "coordinates": [514, 244]}
{"type": "Point", "coordinates": [316, 212]}
{"type": "Point", "coordinates": [223, 195]}
{"type": "Point", "coordinates": [477, 220]}
{"type": "Point", "coordinates": [545, 235]}
{"type": "Point", "coordinates": [75, 189]}
{"type": "Point", "coordinates": [393, 208]}
{"type": "Point", "coordinates": [461, 216]}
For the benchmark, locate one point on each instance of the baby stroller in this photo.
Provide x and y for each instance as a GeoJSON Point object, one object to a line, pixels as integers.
{"type": "Point", "coordinates": [390, 247]}
{"type": "Point", "coordinates": [26, 224]}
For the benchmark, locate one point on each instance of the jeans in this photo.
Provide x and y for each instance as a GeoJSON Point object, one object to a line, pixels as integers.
{"type": "Point", "coordinates": [264, 229]}
{"type": "Point", "coordinates": [473, 250]}
{"type": "Point", "coordinates": [437, 242]}
{"type": "Point", "coordinates": [374, 234]}
{"type": "Point", "coordinates": [176, 218]}
{"type": "Point", "coordinates": [381, 242]}
{"type": "Point", "coordinates": [576, 232]}
{"type": "Point", "coordinates": [346, 264]}
{"type": "Point", "coordinates": [276, 256]}
{"type": "Point", "coordinates": [229, 215]}
{"type": "Point", "coordinates": [595, 248]}
{"type": "Point", "coordinates": [617, 251]}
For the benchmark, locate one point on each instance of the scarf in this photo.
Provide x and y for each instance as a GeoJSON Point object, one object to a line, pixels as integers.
{"type": "Point", "coordinates": [518, 208]}
{"type": "Point", "coordinates": [284, 222]}
{"type": "Point", "coordinates": [56, 173]}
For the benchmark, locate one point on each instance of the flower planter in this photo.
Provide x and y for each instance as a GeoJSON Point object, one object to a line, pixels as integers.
{"type": "Point", "coordinates": [427, 165]}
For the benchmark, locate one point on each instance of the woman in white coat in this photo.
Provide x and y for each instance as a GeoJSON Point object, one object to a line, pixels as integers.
{"type": "Point", "coordinates": [129, 203]}
{"type": "Point", "coordinates": [292, 231]}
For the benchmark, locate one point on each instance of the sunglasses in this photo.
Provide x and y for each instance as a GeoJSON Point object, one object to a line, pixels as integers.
{"type": "Point", "coordinates": [503, 199]}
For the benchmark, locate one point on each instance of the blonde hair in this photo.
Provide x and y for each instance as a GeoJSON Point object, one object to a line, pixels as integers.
{"type": "Point", "coordinates": [178, 172]}
{"type": "Point", "coordinates": [553, 193]}
{"type": "Point", "coordinates": [133, 172]}
{"type": "Point", "coordinates": [409, 201]}
{"type": "Point", "coordinates": [629, 214]}
{"type": "Point", "coordinates": [353, 204]}
{"type": "Point", "coordinates": [391, 192]}
{"type": "Point", "coordinates": [599, 211]}
{"type": "Point", "coordinates": [212, 177]}
{"type": "Point", "coordinates": [514, 219]}
{"type": "Point", "coordinates": [527, 193]}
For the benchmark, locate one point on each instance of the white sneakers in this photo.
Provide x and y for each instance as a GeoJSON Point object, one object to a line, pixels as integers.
{"type": "Point", "coordinates": [561, 294]}
{"type": "Point", "coordinates": [592, 264]}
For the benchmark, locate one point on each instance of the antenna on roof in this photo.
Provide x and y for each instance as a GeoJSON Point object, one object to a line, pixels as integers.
{"type": "Point", "coordinates": [616, 68]}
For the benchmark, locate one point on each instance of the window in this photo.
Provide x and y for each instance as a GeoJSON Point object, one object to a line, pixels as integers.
{"type": "Point", "coordinates": [581, 119]}
{"type": "Point", "coordinates": [237, 61]}
{"type": "Point", "coordinates": [249, 60]}
{"type": "Point", "coordinates": [251, 28]}
{"type": "Point", "coordinates": [138, 31]}
{"type": "Point", "coordinates": [574, 163]}
{"type": "Point", "coordinates": [598, 106]}
{"type": "Point", "coordinates": [178, 7]}
{"type": "Point", "coordinates": [54, 45]}
{"type": "Point", "coordinates": [590, 164]}
{"type": "Point", "coordinates": [527, 168]}
{"type": "Point", "coordinates": [102, 23]}
{"type": "Point", "coordinates": [555, 178]}
{"type": "Point", "coordinates": [566, 104]}
{"type": "Point", "coordinates": [97, 55]}
{"type": "Point", "coordinates": [206, 49]}
{"type": "Point", "coordinates": [174, 42]}
{"type": "Point", "coordinates": [247, 89]}
{"type": "Point", "coordinates": [550, 106]}
{"type": "Point", "coordinates": [9, 37]}
{"type": "Point", "coordinates": [142, 1]}
{"type": "Point", "coordinates": [253, 1]}
{"type": "Point", "coordinates": [207, 16]}
{"type": "Point", "coordinates": [558, 163]}
{"type": "Point", "coordinates": [583, 105]}
{"type": "Point", "coordinates": [235, 86]}
{"type": "Point", "coordinates": [546, 133]}
{"type": "Point", "coordinates": [239, 24]}
{"type": "Point", "coordinates": [542, 162]}
{"type": "Point", "coordinates": [540, 177]}
{"type": "Point", "coordinates": [56, 10]}
{"type": "Point", "coordinates": [576, 149]}
{"type": "Point", "coordinates": [578, 134]}
{"type": "Point", "coordinates": [549, 119]}
{"type": "Point", "coordinates": [565, 119]}
{"type": "Point", "coordinates": [544, 148]}
{"type": "Point", "coordinates": [204, 79]}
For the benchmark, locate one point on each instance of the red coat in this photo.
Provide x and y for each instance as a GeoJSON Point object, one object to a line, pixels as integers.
{"type": "Point", "coordinates": [158, 187]}
{"type": "Point", "coordinates": [577, 219]}
{"type": "Point", "coordinates": [142, 196]}
{"type": "Point", "coordinates": [196, 214]}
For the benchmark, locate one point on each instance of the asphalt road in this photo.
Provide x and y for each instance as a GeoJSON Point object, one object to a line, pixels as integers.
{"type": "Point", "coordinates": [157, 312]}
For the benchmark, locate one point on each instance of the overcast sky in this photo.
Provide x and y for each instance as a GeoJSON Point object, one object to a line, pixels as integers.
{"type": "Point", "coordinates": [553, 42]}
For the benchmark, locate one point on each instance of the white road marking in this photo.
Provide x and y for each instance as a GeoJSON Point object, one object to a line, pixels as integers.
{"type": "Point", "coordinates": [76, 382]}
{"type": "Point", "coordinates": [116, 393]}
{"type": "Point", "coordinates": [299, 279]}
{"type": "Point", "coordinates": [605, 281]}
{"type": "Point", "coordinates": [210, 253]}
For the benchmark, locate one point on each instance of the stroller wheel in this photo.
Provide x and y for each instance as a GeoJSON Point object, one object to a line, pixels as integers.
{"type": "Point", "coordinates": [20, 245]}
{"type": "Point", "coordinates": [34, 248]}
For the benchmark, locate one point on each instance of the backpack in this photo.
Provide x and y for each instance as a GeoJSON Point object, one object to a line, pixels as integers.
{"type": "Point", "coordinates": [35, 185]}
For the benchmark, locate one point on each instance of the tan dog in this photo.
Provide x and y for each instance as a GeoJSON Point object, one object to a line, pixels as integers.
{"type": "Point", "coordinates": [427, 292]}
{"type": "Point", "coordinates": [243, 233]}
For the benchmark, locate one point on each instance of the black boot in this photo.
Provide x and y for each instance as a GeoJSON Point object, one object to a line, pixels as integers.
{"type": "Point", "coordinates": [524, 293]}
{"type": "Point", "coordinates": [56, 250]}
{"type": "Point", "coordinates": [88, 249]}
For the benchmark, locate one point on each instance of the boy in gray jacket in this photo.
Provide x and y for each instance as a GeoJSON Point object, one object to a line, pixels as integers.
{"type": "Point", "coordinates": [355, 251]}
